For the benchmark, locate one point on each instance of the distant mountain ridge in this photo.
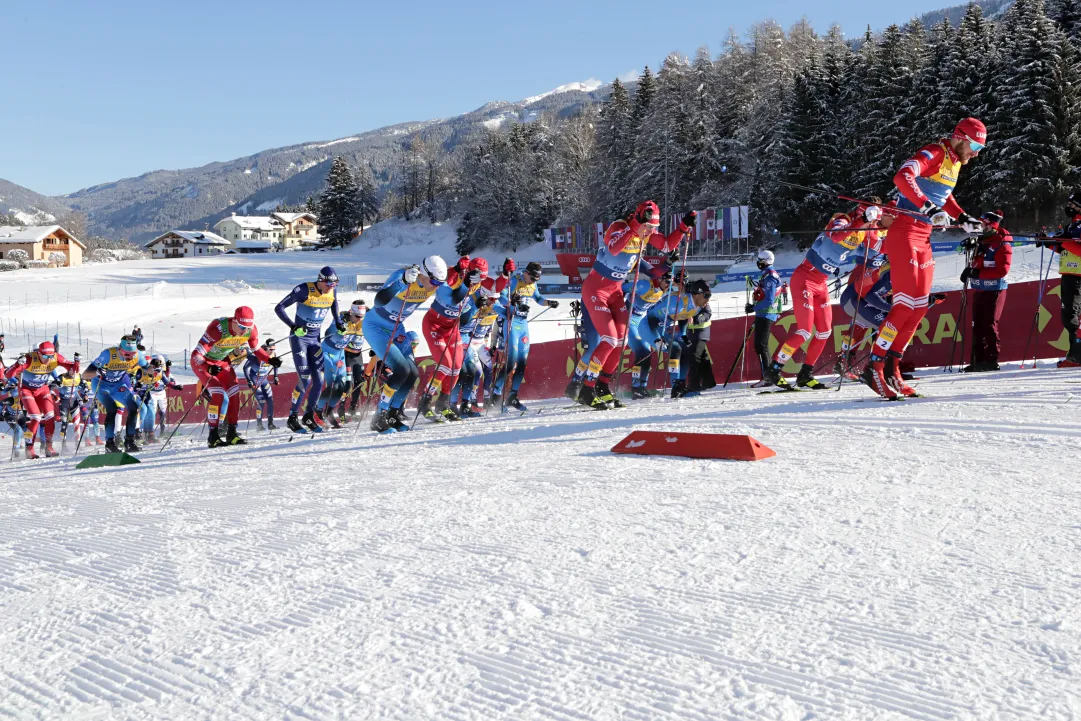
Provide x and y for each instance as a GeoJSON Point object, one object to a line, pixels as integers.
{"type": "Point", "coordinates": [141, 207]}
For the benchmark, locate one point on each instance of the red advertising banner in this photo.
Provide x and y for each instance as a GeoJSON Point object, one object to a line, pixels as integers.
{"type": "Point", "coordinates": [576, 266]}
{"type": "Point", "coordinates": [551, 364]}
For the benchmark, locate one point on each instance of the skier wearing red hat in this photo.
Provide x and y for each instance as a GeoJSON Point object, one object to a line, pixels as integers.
{"type": "Point", "coordinates": [440, 325]}
{"type": "Point", "coordinates": [926, 182]}
{"type": "Point", "coordinates": [35, 372]}
{"type": "Point", "coordinates": [211, 363]}
{"type": "Point", "coordinates": [602, 291]}
{"type": "Point", "coordinates": [496, 284]}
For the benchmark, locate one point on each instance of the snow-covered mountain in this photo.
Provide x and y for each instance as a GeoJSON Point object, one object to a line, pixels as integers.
{"type": "Point", "coordinates": [26, 206]}
{"type": "Point", "coordinates": [143, 206]}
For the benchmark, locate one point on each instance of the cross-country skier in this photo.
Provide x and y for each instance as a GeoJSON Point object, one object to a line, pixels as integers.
{"type": "Point", "coordinates": [404, 291]}
{"type": "Point", "coordinates": [644, 330]}
{"type": "Point", "coordinates": [476, 330]}
{"type": "Point", "coordinates": [113, 370]}
{"type": "Point", "coordinates": [35, 373]}
{"type": "Point", "coordinates": [765, 308]}
{"type": "Point", "coordinates": [347, 328]}
{"type": "Point", "coordinates": [833, 248]}
{"type": "Point", "coordinates": [698, 366]}
{"type": "Point", "coordinates": [72, 392]}
{"type": "Point", "coordinates": [602, 291]}
{"type": "Point", "coordinates": [313, 301]}
{"type": "Point", "coordinates": [986, 276]}
{"type": "Point", "coordinates": [258, 374]}
{"type": "Point", "coordinates": [518, 298]}
{"type": "Point", "coordinates": [442, 332]}
{"type": "Point", "coordinates": [926, 182]}
{"type": "Point", "coordinates": [151, 384]}
{"type": "Point", "coordinates": [1068, 245]}
{"type": "Point", "coordinates": [672, 314]}
{"type": "Point", "coordinates": [226, 340]}
{"type": "Point", "coordinates": [354, 361]}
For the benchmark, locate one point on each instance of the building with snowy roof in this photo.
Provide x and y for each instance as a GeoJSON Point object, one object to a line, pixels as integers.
{"type": "Point", "coordinates": [40, 243]}
{"type": "Point", "coordinates": [250, 227]}
{"type": "Point", "coordinates": [187, 244]}
{"type": "Point", "coordinates": [299, 229]}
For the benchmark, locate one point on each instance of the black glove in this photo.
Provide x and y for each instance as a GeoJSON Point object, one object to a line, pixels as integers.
{"type": "Point", "coordinates": [523, 308]}
{"type": "Point", "coordinates": [340, 327]}
{"type": "Point", "coordinates": [179, 387]}
{"type": "Point", "coordinates": [673, 258]}
{"type": "Point", "coordinates": [576, 307]}
{"type": "Point", "coordinates": [749, 308]}
{"type": "Point", "coordinates": [690, 219]}
{"type": "Point", "coordinates": [553, 304]}
{"type": "Point", "coordinates": [213, 369]}
{"type": "Point", "coordinates": [76, 356]}
{"type": "Point", "coordinates": [969, 243]}
{"type": "Point", "coordinates": [966, 274]}
{"type": "Point", "coordinates": [274, 361]}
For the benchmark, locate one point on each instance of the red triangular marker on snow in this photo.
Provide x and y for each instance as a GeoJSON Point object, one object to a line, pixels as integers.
{"type": "Point", "coordinates": [694, 445]}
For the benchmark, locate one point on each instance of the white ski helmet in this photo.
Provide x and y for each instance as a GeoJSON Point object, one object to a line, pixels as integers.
{"type": "Point", "coordinates": [435, 268]}
{"type": "Point", "coordinates": [764, 258]}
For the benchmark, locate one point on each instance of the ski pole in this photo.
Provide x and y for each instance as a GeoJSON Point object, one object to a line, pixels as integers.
{"type": "Point", "coordinates": [960, 321]}
{"type": "Point", "coordinates": [846, 347]}
{"type": "Point", "coordinates": [179, 423]}
{"type": "Point", "coordinates": [630, 318]}
{"type": "Point", "coordinates": [506, 356]}
{"type": "Point", "coordinates": [739, 355]}
{"type": "Point", "coordinates": [86, 423]}
{"type": "Point", "coordinates": [1039, 304]}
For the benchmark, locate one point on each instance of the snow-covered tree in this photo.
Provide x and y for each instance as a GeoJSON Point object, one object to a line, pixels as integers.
{"type": "Point", "coordinates": [340, 213]}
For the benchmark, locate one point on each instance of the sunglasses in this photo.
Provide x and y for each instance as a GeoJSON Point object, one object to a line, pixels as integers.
{"type": "Point", "coordinates": [976, 147]}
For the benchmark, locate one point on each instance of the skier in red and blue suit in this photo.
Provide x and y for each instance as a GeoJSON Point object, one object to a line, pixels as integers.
{"type": "Point", "coordinates": [602, 291]}
{"type": "Point", "coordinates": [35, 373]}
{"type": "Point", "coordinates": [811, 302]}
{"type": "Point", "coordinates": [926, 182]}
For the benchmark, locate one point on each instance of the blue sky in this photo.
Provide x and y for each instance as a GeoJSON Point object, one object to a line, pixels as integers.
{"type": "Point", "coordinates": [115, 88]}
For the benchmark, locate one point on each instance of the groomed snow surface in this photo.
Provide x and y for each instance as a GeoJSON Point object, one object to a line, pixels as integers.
{"type": "Point", "coordinates": [894, 560]}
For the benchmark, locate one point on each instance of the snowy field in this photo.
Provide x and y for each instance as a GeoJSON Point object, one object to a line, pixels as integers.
{"type": "Point", "coordinates": [916, 560]}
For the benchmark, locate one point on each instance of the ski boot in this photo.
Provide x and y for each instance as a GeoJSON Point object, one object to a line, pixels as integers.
{"type": "Point", "coordinates": [424, 408]}
{"type": "Point", "coordinates": [892, 372]}
{"type": "Point", "coordinates": [213, 440]}
{"type": "Point", "coordinates": [330, 417]}
{"type": "Point", "coordinates": [605, 393]}
{"type": "Point", "coordinates": [311, 424]}
{"type": "Point", "coordinates": [150, 437]}
{"type": "Point", "coordinates": [397, 419]}
{"type": "Point", "coordinates": [30, 454]}
{"type": "Point", "coordinates": [513, 402]}
{"type": "Point", "coordinates": [874, 375]}
{"type": "Point", "coordinates": [679, 388]}
{"type": "Point", "coordinates": [805, 379]}
{"type": "Point", "coordinates": [50, 452]}
{"type": "Point", "coordinates": [774, 378]}
{"type": "Point", "coordinates": [573, 389]}
{"type": "Point", "coordinates": [110, 446]}
{"type": "Point", "coordinates": [342, 417]}
{"type": "Point", "coordinates": [466, 410]}
{"type": "Point", "coordinates": [294, 424]}
{"type": "Point", "coordinates": [639, 393]}
{"type": "Point", "coordinates": [130, 446]}
{"type": "Point", "coordinates": [381, 423]}
{"type": "Point", "coordinates": [270, 425]}
{"type": "Point", "coordinates": [138, 435]}
{"type": "Point", "coordinates": [1068, 362]}
{"type": "Point", "coordinates": [443, 411]}
{"type": "Point", "coordinates": [259, 425]}
{"type": "Point", "coordinates": [98, 441]}
{"type": "Point", "coordinates": [231, 437]}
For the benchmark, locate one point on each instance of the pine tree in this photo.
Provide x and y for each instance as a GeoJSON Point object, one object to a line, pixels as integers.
{"type": "Point", "coordinates": [660, 144]}
{"type": "Point", "coordinates": [607, 177]}
{"type": "Point", "coordinates": [1029, 158]}
{"type": "Point", "coordinates": [339, 212]}
{"type": "Point", "coordinates": [367, 196]}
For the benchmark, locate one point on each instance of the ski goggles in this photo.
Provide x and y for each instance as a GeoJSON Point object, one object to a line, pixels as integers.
{"type": "Point", "coordinates": [976, 147]}
{"type": "Point", "coordinates": [245, 322]}
{"type": "Point", "coordinates": [358, 310]}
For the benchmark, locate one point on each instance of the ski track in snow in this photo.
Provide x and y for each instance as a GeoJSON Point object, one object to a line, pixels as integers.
{"type": "Point", "coordinates": [913, 560]}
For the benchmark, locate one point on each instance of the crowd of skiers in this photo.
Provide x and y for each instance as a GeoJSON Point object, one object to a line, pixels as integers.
{"type": "Point", "coordinates": [477, 325]}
